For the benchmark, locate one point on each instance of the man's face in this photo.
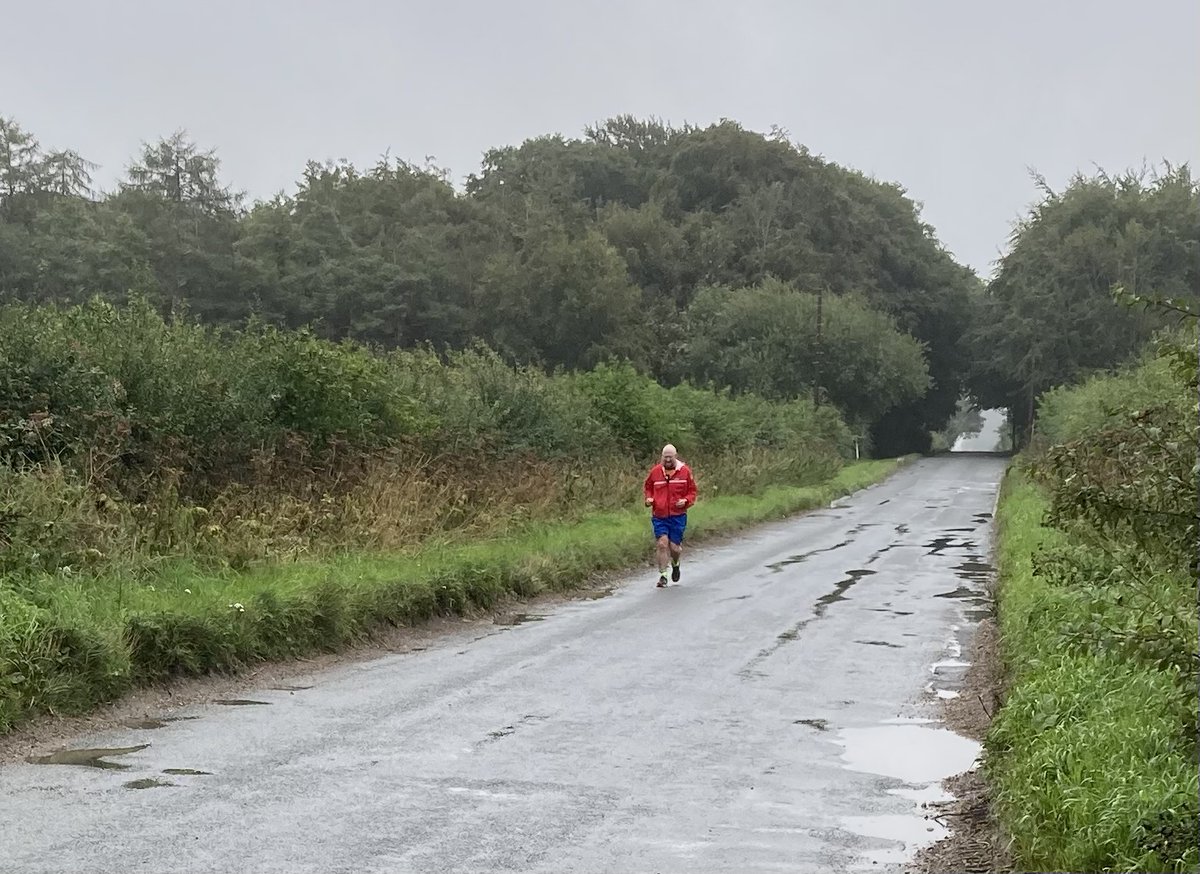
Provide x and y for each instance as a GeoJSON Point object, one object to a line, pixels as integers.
{"type": "Point", "coordinates": [668, 460]}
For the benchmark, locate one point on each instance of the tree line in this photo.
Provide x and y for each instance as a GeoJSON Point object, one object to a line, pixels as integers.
{"type": "Point", "coordinates": [709, 255]}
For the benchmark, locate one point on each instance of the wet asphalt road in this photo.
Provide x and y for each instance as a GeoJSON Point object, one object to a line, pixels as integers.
{"type": "Point", "coordinates": [767, 714]}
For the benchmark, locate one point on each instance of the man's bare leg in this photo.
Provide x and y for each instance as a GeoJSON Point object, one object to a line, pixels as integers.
{"type": "Point", "coordinates": [663, 553]}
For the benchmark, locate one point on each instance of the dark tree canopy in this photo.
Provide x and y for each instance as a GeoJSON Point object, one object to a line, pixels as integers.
{"type": "Point", "coordinates": [561, 252]}
{"type": "Point", "coordinates": [1050, 316]}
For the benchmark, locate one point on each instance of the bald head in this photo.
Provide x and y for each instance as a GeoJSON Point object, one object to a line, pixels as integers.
{"type": "Point", "coordinates": [668, 457]}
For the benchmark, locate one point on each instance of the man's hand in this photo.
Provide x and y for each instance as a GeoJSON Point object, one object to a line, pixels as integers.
{"type": "Point", "coordinates": [682, 502]}
{"type": "Point", "coordinates": [649, 502]}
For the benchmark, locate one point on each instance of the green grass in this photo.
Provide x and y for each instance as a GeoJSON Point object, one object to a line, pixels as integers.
{"type": "Point", "coordinates": [68, 644]}
{"type": "Point", "coordinates": [1093, 755]}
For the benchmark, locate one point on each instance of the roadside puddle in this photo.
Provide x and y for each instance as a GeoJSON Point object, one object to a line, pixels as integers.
{"type": "Point", "coordinates": [940, 544]}
{"type": "Point", "coordinates": [839, 591]}
{"type": "Point", "coordinates": [152, 722]}
{"type": "Point", "coordinates": [975, 571]}
{"type": "Point", "coordinates": [960, 592]}
{"type": "Point", "coordinates": [796, 559]}
{"type": "Point", "coordinates": [147, 783]}
{"type": "Point", "coordinates": [241, 702]}
{"type": "Point", "coordinates": [912, 832]}
{"type": "Point", "coordinates": [929, 754]}
{"type": "Point", "coordinates": [187, 772]}
{"type": "Point", "coordinates": [920, 755]}
{"type": "Point", "coordinates": [818, 724]}
{"type": "Point", "coordinates": [92, 758]}
{"type": "Point", "coordinates": [518, 618]}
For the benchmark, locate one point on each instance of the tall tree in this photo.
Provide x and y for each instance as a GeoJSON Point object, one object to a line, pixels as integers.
{"type": "Point", "coordinates": [1049, 317]}
{"type": "Point", "coordinates": [563, 302]}
{"type": "Point", "coordinates": [174, 196]}
{"type": "Point", "coordinates": [778, 342]}
{"type": "Point", "coordinates": [20, 166]}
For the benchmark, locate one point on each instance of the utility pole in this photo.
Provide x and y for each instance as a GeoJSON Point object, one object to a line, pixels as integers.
{"type": "Point", "coordinates": [820, 356]}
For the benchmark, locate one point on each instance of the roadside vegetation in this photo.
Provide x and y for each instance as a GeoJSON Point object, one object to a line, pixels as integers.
{"type": "Point", "coordinates": [1087, 335]}
{"type": "Point", "coordinates": [1093, 756]}
{"type": "Point", "coordinates": [177, 499]}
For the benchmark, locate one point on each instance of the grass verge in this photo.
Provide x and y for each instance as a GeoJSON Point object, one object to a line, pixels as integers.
{"type": "Point", "coordinates": [1093, 755]}
{"type": "Point", "coordinates": [67, 645]}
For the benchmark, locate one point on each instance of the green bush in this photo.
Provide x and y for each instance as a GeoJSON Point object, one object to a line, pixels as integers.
{"type": "Point", "coordinates": [1070, 412]}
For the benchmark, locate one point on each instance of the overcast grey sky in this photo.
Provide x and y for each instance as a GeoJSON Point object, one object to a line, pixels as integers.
{"type": "Point", "coordinates": [953, 99]}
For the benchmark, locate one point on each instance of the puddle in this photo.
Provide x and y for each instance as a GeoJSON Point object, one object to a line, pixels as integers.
{"type": "Point", "coordinates": [150, 722]}
{"type": "Point", "coordinates": [92, 758]}
{"type": "Point", "coordinates": [147, 783]}
{"type": "Point", "coordinates": [839, 591]}
{"type": "Point", "coordinates": [818, 724]}
{"type": "Point", "coordinates": [879, 643]}
{"type": "Point", "coordinates": [796, 559]}
{"type": "Point", "coordinates": [981, 604]}
{"type": "Point", "coordinates": [976, 571]}
{"type": "Point", "coordinates": [960, 592]}
{"type": "Point", "coordinates": [240, 702]}
{"type": "Point", "coordinates": [901, 528]}
{"type": "Point", "coordinates": [502, 732]}
{"type": "Point", "coordinates": [931, 794]}
{"type": "Point", "coordinates": [518, 618]}
{"type": "Point", "coordinates": [187, 772]}
{"type": "Point", "coordinates": [735, 598]}
{"type": "Point", "coordinates": [940, 544]}
{"type": "Point", "coordinates": [597, 595]}
{"type": "Point", "coordinates": [884, 501]}
{"type": "Point", "coordinates": [948, 663]}
{"type": "Point", "coordinates": [838, 594]}
{"type": "Point", "coordinates": [911, 831]}
{"type": "Point", "coordinates": [929, 754]}
{"type": "Point", "coordinates": [290, 688]}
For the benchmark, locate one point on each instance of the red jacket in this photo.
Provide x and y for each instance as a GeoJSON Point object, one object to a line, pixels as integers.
{"type": "Point", "coordinates": [667, 489]}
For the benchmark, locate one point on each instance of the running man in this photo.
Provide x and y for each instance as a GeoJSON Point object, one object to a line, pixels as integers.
{"type": "Point", "coordinates": [669, 490]}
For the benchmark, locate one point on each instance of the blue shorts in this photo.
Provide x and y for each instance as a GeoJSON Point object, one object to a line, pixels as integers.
{"type": "Point", "coordinates": [672, 526]}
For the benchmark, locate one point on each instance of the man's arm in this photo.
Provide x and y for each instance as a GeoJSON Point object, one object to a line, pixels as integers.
{"type": "Point", "coordinates": [690, 497]}
{"type": "Point", "coordinates": [648, 487]}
